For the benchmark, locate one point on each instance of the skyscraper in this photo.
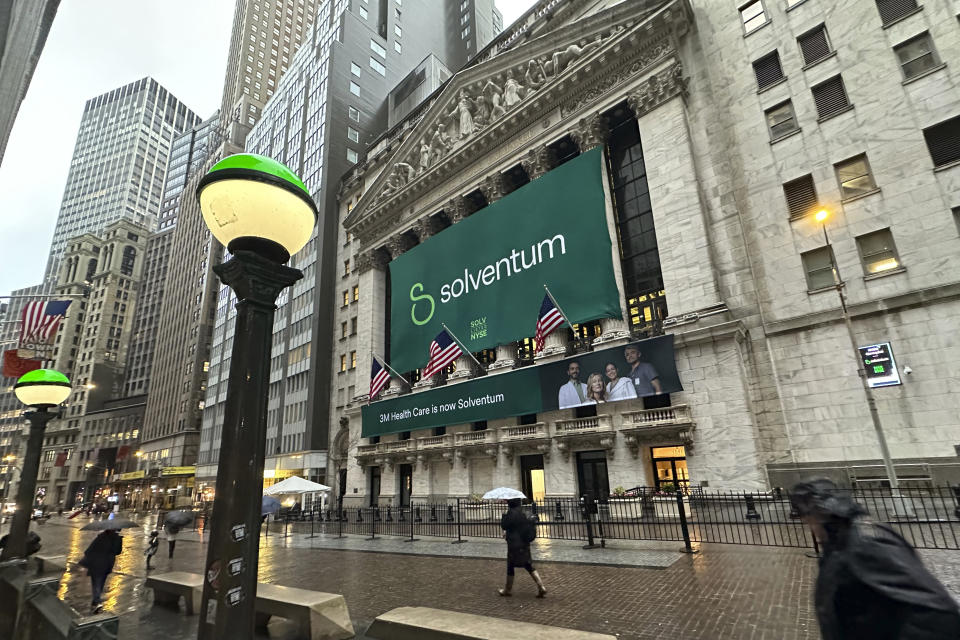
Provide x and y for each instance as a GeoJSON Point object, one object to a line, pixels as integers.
{"type": "Point", "coordinates": [331, 104]}
{"type": "Point", "coordinates": [23, 32]}
{"type": "Point", "coordinates": [119, 162]}
{"type": "Point", "coordinates": [266, 35]}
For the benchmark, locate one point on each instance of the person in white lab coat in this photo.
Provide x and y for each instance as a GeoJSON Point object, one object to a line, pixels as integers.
{"type": "Point", "coordinates": [574, 392]}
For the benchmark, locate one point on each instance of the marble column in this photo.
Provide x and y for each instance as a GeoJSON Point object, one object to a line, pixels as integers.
{"type": "Point", "coordinates": [554, 345]}
{"type": "Point", "coordinates": [493, 187]}
{"type": "Point", "coordinates": [371, 264]}
{"type": "Point", "coordinates": [590, 132]}
{"type": "Point", "coordinates": [463, 369]}
{"type": "Point", "coordinates": [538, 161]}
{"type": "Point", "coordinates": [506, 357]}
{"type": "Point", "coordinates": [456, 209]}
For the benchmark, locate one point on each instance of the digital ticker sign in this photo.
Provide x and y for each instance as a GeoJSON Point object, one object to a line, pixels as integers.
{"type": "Point", "coordinates": [880, 366]}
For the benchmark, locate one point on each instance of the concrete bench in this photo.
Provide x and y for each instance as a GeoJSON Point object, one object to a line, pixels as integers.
{"type": "Point", "coordinates": [424, 623]}
{"type": "Point", "coordinates": [319, 616]}
{"type": "Point", "coordinates": [169, 587]}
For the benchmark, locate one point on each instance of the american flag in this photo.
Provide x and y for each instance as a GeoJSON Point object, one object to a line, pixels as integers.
{"type": "Point", "coordinates": [40, 320]}
{"type": "Point", "coordinates": [443, 350]}
{"type": "Point", "coordinates": [379, 377]}
{"type": "Point", "coordinates": [549, 319]}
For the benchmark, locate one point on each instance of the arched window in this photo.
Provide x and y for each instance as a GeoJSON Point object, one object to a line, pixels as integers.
{"type": "Point", "coordinates": [129, 256]}
{"type": "Point", "coordinates": [91, 269]}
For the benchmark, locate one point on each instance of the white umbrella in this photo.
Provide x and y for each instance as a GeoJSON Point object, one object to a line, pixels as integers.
{"type": "Point", "coordinates": [295, 484]}
{"type": "Point", "coordinates": [503, 493]}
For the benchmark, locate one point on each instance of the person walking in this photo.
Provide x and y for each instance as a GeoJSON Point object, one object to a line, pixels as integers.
{"type": "Point", "coordinates": [173, 534]}
{"type": "Point", "coordinates": [871, 583]}
{"type": "Point", "coordinates": [98, 560]}
{"type": "Point", "coordinates": [519, 532]}
{"type": "Point", "coordinates": [152, 545]}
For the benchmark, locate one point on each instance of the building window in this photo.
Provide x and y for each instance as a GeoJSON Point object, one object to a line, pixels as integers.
{"type": "Point", "coordinates": [354, 114]}
{"type": "Point", "coordinates": [397, 31]}
{"type": "Point", "coordinates": [465, 32]}
{"type": "Point", "coordinates": [353, 134]}
{"type": "Point", "coordinates": [753, 16]}
{"type": "Point", "coordinates": [956, 221]}
{"type": "Point", "coordinates": [343, 362]}
{"type": "Point", "coordinates": [916, 56]}
{"type": "Point", "coordinates": [814, 45]}
{"type": "Point", "coordinates": [363, 13]}
{"type": "Point", "coordinates": [346, 298]}
{"type": "Point", "coordinates": [354, 88]}
{"type": "Point", "coordinates": [781, 120]}
{"type": "Point", "coordinates": [877, 252]}
{"type": "Point", "coordinates": [377, 66]}
{"type": "Point", "coordinates": [830, 97]}
{"type": "Point", "coordinates": [943, 141]}
{"type": "Point", "coordinates": [352, 156]}
{"type": "Point", "coordinates": [353, 359]}
{"type": "Point", "coordinates": [378, 49]}
{"type": "Point", "coordinates": [801, 196]}
{"type": "Point", "coordinates": [893, 10]}
{"type": "Point", "coordinates": [355, 69]}
{"type": "Point", "coordinates": [356, 293]}
{"type": "Point", "coordinates": [346, 267]}
{"type": "Point", "coordinates": [353, 326]}
{"type": "Point", "coordinates": [818, 266]}
{"type": "Point", "coordinates": [768, 70]}
{"type": "Point", "coordinates": [854, 177]}
{"type": "Point", "coordinates": [343, 329]}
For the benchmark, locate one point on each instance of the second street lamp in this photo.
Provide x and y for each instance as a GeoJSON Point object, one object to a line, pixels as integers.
{"type": "Point", "coordinates": [821, 217]}
{"type": "Point", "coordinates": [42, 390]}
{"type": "Point", "coordinates": [263, 214]}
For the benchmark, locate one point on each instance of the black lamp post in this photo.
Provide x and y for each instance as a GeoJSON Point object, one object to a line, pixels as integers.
{"type": "Point", "coordinates": [43, 390]}
{"type": "Point", "coordinates": [263, 214]}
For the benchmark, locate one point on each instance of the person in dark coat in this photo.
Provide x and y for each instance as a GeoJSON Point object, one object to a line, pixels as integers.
{"type": "Point", "coordinates": [871, 583]}
{"type": "Point", "coordinates": [519, 532]}
{"type": "Point", "coordinates": [99, 559]}
{"type": "Point", "coordinates": [152, 544]}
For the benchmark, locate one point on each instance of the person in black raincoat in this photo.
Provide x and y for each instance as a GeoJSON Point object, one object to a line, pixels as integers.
{"type": "Point", "coordinates": [99, 559]}
{"type": "Point", "coordinates": [871, 583]}
{"type": "Point", "coordinates": [519, 532]}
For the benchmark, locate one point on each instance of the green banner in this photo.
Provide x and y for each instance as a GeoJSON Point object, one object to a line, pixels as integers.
{"type": "Point", "coordinates": [483, 277]}
{"type": "Point", "coordinates": [629, 372]}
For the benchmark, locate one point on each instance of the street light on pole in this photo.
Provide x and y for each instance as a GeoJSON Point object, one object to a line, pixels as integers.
{"type": "Point", "coordinates": [821, 217]}
{"type": "Point", "coordinates": [42, 390]}
{"type": "Point", "coordinates": [262, 212]}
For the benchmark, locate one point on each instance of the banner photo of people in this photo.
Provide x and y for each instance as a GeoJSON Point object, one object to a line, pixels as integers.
{"type": "Point", "coordinates": [637, 370]}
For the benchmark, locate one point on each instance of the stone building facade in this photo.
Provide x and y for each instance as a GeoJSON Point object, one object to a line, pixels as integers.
{"type": "Point", "coordinates": [725, 129]}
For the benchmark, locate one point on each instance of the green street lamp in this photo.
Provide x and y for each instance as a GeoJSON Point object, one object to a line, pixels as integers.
{"type": "Point", "coordinates": [263, 214]}
{"type": "Point", "coordinates": [42, 390]}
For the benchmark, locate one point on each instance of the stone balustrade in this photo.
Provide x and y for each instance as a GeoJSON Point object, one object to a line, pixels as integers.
{"type": "Point", "coordinates": [534, 431]}
{"type": "Point", "coordinates": [471, 438]}
{"type": "Point", "coordinates": [578, 426]}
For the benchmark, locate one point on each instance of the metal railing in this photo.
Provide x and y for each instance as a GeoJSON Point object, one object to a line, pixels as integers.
{"type": "Point", "coordinates": [928, 518]}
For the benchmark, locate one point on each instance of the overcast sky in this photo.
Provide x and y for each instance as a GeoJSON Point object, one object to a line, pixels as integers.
{"type": "Point", "coordinates": [94, 47]}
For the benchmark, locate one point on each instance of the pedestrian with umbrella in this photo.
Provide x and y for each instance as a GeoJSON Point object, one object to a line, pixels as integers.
{"type": "Point", "coordinates": [101, 555]}
{"type": "Point", "coordinates": [268, 505]}
{"type": "Point", "coordinates": [172, 524]}
{"type": "Point", "coordinates": [151, 549]}
{"type": "Point", "coordinates": [871, 583]}
{"type": "Point", "coordinates": [519, 531]}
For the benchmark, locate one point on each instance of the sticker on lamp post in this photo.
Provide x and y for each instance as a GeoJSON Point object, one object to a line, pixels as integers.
{"type": "Point", "coordinates": [880, 366]}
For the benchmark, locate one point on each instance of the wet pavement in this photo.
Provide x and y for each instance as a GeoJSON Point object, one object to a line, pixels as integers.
{"type": "Point", "coordinates": [632, 590]}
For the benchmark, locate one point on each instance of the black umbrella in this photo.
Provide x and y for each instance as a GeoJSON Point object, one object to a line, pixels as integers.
{"type": "Point", "coordinates": [178, 518]}
{"type": "Point", "coordinates": [104, 525]}
{"type": "Point", "coordinates": [269, 505]}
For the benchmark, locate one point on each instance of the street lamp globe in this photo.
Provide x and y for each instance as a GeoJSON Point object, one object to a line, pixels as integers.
{"type": "Point", "coordinates": [821, 215]}
{"type": "Point", "coordinates": [253, 203]}
{"type": "Point", "coordinates": [42, 388]}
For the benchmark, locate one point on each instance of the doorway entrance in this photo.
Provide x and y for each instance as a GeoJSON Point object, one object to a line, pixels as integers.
{"type": "Point", "coordinates": [374, 486]}
{"type": "Point", "coordinates": [531, 478]}
{"type": "Point", "coordinates": [670, 467]}
{"type": "Point", "coordinates": [592, 474]}
{"type": "Point", "coordinates": [406, 484]}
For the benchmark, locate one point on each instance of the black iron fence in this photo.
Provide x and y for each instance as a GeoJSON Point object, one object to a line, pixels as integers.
{"type": "Point", "coordinates": [929, 518]}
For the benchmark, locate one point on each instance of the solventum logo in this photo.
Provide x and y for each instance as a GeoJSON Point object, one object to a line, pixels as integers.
{"type": "Point", "coordinates": [418, 288]}
{"type": "Point", "coordinates": [484, 276]}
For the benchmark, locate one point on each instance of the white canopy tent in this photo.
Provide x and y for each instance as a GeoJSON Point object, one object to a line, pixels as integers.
{"type": "Point", "coordinates": [298, 486]}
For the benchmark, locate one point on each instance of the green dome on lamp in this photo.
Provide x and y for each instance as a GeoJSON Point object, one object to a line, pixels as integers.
{"type": "Point", "coordinates": [42, 388]}
{"type": "Point", "coordinates": [254, 203]}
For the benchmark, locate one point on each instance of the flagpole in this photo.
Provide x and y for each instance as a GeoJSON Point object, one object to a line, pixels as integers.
{"type": "Point", "coordinates": [557, 305]}
{"type": "Point", "coordinates": [383, 361]}
{"type": "Point", "coordinates": [462, 346]}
